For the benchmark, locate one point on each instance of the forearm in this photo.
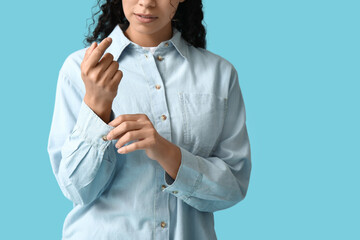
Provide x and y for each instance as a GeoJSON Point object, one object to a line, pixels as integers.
{"type": "Point", "coordinates": [102, 109]}
{"type": "Point", "coordinates": [170, 160]}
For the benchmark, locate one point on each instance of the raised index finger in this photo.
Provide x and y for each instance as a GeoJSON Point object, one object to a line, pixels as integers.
{"type": "Point", "coordinates": [96, 54]}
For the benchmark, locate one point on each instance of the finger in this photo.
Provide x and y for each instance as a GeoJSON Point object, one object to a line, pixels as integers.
{"type": "Point", "coordinates": [105, 62]}
{"type": "Point", "coordinates": [133, 147]}
{"type": "Point", "coordinates": [130, 136]}
{"type": "Point", "coordinates": [126, 117]}
{"type": "Point", "coordinates": [89, 50]}
{"type": "Point", "coordinates": [118, 76]}
{"type": "Point", "coordinates": [123, 128]}
{"type": "Point", "coordinates": [116, 79]}
{"type": "Point", "coordinates": [111, 70]}
{"type": "Point", "coordinates": [96, 54]}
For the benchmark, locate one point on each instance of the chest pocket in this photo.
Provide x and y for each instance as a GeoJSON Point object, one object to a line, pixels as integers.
{"type": "Point", "coordinates": [203, 120]}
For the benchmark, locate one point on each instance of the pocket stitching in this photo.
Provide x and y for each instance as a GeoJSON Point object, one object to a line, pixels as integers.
{"type": "Point", "coordinates": [207, 149]}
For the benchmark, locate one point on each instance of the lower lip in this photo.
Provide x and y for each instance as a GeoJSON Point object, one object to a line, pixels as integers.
{"type": "Point", "coordinates": [145, 20]}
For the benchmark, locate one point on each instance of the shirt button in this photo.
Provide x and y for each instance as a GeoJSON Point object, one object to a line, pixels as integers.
{"type": "Point", "coordinates": [160, 58]}
{"type": "Point", "coordinates": [162, 224]}
{"type": "Point", "coordinates": [163, 117]}
{"type": "Point", "coordinates": [174, 192]}
{"type": "Point", "coordinates": [163, 187]}
{"type": "Point", "coordinates": [166, 44]}
{"type": "Point", "coordinates": [104, 138]}
{"type": "Point", "coordinates": [146, 55]}
{"type": "Point", "coordinates": [157, 86]}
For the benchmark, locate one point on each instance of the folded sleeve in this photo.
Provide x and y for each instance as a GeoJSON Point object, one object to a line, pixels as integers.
{"type": "Point", "coordinates": [221, 180]}
{"type": "Point", "coordinates": [82, 161]}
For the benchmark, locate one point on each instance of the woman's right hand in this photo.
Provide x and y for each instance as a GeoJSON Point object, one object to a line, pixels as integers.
{"type": "Point", "coordinates": [101, 78]}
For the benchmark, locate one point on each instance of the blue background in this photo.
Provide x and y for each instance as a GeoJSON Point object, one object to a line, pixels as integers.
{"type": "Point", "coordinates": [299, 69]}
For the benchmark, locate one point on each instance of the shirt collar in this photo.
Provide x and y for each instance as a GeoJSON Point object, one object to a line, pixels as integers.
{"type": "Point", "coordinates": [120, 42]}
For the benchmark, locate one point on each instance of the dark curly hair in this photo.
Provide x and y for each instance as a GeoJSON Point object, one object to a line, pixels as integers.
{"type": "Point", "coordinates": [188, 20]}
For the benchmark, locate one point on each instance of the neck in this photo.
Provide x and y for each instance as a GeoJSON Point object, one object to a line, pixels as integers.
{"type": "Point", "coordinates": [149, 40]}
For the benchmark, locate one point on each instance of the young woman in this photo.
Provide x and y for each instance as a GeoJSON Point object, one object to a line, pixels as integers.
{"type": "Point", "coordinates": [148, 135]}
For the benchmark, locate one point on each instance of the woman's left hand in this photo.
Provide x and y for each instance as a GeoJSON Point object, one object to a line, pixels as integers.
{"type": "Point", "coordinates": [137, 128]}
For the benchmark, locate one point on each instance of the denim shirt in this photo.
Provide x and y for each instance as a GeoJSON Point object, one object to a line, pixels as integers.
{"type": "Point", "coordinates": [193, 99]}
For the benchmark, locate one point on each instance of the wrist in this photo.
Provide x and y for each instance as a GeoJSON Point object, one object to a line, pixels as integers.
{"type": "Point", "coordinates": [169, 157]}
{"type": "Point", "coordinates": [100, 108]}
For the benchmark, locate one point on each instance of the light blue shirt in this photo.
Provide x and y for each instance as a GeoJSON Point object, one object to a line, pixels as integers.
{"type": "Point", "coordinates": [193, 99]}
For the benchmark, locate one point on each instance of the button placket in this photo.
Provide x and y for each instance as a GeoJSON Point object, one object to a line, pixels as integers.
{"type": "Point", "coordinates": [152, 67]}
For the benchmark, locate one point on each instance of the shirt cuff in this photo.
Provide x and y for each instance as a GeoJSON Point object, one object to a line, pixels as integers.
{"type": "Point", "coordinates": [93, 128]}
{"type": "Point", "coordinates": [187, 179]}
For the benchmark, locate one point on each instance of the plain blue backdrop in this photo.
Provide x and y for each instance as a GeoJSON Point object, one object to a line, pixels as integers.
{"type": "Point", "coordinates": [299, 71]}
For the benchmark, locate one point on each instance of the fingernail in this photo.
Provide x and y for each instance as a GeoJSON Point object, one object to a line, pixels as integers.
{"type": "Point", "coordinates": [109, 39]}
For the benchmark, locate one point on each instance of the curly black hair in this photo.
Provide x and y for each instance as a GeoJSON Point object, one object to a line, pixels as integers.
{"type": "Point", "coordinates": [188, 20]}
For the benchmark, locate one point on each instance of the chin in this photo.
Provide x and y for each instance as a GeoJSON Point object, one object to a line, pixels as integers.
{"type": "Point", "coordinates": [146, 29]}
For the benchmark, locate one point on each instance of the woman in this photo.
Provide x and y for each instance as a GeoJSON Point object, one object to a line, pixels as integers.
{"type": "Point", "coordinates": [148, 136]}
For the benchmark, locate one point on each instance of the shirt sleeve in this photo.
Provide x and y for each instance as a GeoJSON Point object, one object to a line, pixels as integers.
{"type": "Point", "coordinates": [221, 180]}
{"type": "Point", "coordinates": [83, 163]}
